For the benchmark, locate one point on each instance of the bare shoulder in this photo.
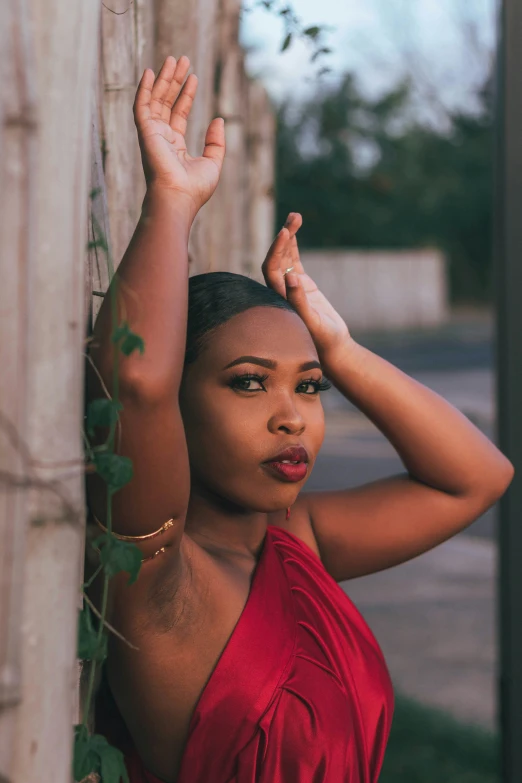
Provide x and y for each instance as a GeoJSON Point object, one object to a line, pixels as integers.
{"type": "Point", "coordinates": [299, 523]}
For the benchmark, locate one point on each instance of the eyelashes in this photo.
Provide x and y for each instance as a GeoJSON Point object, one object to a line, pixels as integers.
{"type": "Point", "coordinates": [322, 385]}
{"type": "Point", "coordinates": [247, 381]}
{"type": "Point", "coordinates": [242, 381]}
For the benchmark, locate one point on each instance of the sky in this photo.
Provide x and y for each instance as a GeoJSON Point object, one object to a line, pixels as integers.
{"type": "Point", "coordinates": [446, 45]}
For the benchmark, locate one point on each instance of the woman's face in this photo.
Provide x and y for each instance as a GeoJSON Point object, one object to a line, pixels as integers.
{"type": "Point", "coordinates": [251, 396]}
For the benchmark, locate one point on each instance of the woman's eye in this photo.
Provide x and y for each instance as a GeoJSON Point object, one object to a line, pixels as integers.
{"type": "Point", "coordinates": [308, 387]}
{"type": "Point", "coordinates": [248, 383]}
{"type": "Point", "coordinates": [312, 386]}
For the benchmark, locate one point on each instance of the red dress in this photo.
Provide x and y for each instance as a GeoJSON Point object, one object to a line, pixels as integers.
{"type": "Point", "coordinates": [301, 692]}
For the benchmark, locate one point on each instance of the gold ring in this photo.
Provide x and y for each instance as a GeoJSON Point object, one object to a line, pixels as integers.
{"type": "Point", "coordinates": [287, 270]}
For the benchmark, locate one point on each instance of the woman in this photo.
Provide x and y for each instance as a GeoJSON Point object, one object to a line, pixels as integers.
{"type": "Point", "coordinates": [252, 664]}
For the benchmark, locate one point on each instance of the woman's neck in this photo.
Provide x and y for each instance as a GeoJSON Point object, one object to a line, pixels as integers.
{"type": "Point", "coordinates": [218, 525]}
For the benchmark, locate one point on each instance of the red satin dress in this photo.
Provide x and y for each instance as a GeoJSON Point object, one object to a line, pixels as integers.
{"type": "Point", "coordinates": [301, 692]}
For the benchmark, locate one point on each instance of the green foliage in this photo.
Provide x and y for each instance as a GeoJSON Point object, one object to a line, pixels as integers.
{"type": "Point", "coordinates": [313, 32]}
{"type": "Point", "coordinates": [116, 556]}
{"type": "Point", "coordinates": [286, 42]}
{"type": "Point", "coordinates": [102, 413]}
{"type": "Point", "coordinates": [116, 471]}
{"type": "Point", "coordinates": [429, 746]}
{"type": "Point", "coordinates": [128, 340]}
{"type": "Point", "coordinates": [423, 187]}
{"type": "Point", "coordinates": [91, 647]}
{"type": "Point", "coordinates": [293, 27]}
{"type": "Point", "coordinates": [92, 753]}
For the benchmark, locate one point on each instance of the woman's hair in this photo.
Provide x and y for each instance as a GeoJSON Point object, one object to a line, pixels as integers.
{"type": "Point", "coordinates": [215, 297]}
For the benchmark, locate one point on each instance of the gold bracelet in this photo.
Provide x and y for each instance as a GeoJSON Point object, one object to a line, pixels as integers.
{"type": "Point", "coordinates": [146, 537]}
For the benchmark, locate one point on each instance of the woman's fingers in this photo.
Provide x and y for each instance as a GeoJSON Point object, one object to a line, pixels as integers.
{"type": "Point", "coordinates": [297, 297]}
{"type": "Point", "coordinates": [283, 254]}
{"type": "Point", "coordinates": [215, 142]}
{"type": "Point", "coordinates": [274, 264]}
{"type": "Point", "coordinates": [141, 106]}
{"type": "Point", "coordinates": [294, 223]}
{"type": "Point", "coordinates": [167, 86]}
{"type": "Point", "coordinates": [181, 109]}
{"type": "Point", "coordinates": [176, 86]}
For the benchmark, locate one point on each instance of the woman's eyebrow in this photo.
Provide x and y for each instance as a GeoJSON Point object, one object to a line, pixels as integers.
{"type": "Point", "coordinates": [252, 360]}
{"type": "Point", "coordinates": [310, 366]}
{"type": "Point", "coordinates": [271, 365]}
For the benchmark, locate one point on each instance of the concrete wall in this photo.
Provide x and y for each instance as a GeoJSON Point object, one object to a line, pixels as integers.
{"type": "Point", "coordinates": [382, 289]}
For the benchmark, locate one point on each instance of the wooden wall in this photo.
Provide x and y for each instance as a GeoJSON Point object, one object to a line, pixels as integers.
{"type": "Point", "coordinates": [234, 230]}
{"type": "Point", "coordinates": [69, 151]}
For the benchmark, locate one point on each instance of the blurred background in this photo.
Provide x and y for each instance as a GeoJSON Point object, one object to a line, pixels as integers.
{"type": "Point", "coordinates": [384, 143]}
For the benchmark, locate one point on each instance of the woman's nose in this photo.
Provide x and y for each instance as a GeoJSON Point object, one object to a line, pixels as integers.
{"type": "Point", "coordinates": [287, 419]}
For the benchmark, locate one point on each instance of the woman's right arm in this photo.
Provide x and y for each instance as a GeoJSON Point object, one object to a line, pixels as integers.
{"type": "Point", "coordinates": [151, 289]}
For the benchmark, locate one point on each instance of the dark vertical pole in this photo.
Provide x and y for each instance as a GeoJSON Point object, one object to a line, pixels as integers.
{"type": "Point", "coordinates": [508, 263]}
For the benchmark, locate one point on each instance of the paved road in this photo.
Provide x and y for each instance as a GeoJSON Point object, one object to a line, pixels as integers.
{"type": "Point", "coordinates": [455, 361]}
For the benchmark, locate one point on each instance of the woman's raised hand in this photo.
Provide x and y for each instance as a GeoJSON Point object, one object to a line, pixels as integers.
{"type": "Point", "coordinates": [161, 110]}
{"type": "Point", "coordinates": [326, 326]}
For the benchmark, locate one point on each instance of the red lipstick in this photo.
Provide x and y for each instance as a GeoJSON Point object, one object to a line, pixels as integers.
{"type": "Point", "coordinates": [289, 465]}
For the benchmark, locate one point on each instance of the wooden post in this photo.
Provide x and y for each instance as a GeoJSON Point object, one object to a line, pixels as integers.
{"type": "Point", "coordinates": [190, 28]}
{"type": "Point", "coordinates": [260, 154]}
{"type": "Point", "coordinates": [97, 272]}
{"type": "Point", "coordinates": [125, 50]}
{"type": "Point", "coordinates": [65, 46]}
{"type": "Point", "coordinates": [228, 246]}
{"type": "Point", "coordinates": [17, 182]}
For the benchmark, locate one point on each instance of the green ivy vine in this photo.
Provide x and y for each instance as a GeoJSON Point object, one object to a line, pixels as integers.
{"type": "Point", "coordinates": [92, 754]}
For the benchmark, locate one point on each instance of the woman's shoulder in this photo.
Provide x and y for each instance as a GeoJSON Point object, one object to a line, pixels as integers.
{"type": "Point", "coordinates": [297, 522]}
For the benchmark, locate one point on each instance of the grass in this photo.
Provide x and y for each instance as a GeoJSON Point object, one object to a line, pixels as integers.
{"type": "Point", "coordinates": [429, 746]}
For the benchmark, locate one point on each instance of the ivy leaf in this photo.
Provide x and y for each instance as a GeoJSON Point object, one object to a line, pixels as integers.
{"type": "Point", "coordinates": [87, 636]}
{"type": "Point", "coordinates": [85, 759]}
{"type": "Point", "coordinates": [312, 32]}
{"type": "Point", "coordinates": [116, 471]}
{"type": "Point", "coordinates": [88, 647]}
{"type": "Point", "coordinates": [92, 753]}
{"type": "Point", "coordinates": [116, 556]}
{"type": "Point", "coordinates": [286, 42]}
{"type": "Point", "coordinates": [112, 765]}
{"type": "Point", "coordinates": [102, 413]}
{"type": "Point", "coordinates": [129, 341]}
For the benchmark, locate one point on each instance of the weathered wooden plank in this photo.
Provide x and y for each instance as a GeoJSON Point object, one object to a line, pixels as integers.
{"type": "Point", "coordinates": [228, 243]}
{"type": "Point", "coordinates": [17, 243]}
{"type": "Point", "coordinates": [260, 155]}
{"type": "Point", "coordinates": [65, 50]}
{"type": "Point", "coordinates": [120, 72]}
{"type": "Point", "coordinates": [191, 29]}
{"type": "Point", "coordinates": [97, 269]}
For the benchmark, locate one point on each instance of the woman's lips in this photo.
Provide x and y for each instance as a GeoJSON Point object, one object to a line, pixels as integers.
{"type": "Point", "coordinates": [287, 471]}
{"type": "Point", "coordinates": [289, 465]}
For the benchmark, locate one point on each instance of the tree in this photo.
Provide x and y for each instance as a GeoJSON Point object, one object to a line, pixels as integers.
{"type": "Point", "coordinates": [368, 173]}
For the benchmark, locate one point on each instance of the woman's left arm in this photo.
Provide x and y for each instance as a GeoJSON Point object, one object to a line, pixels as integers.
{"type": "Point", "coordinates": [454, 472]}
